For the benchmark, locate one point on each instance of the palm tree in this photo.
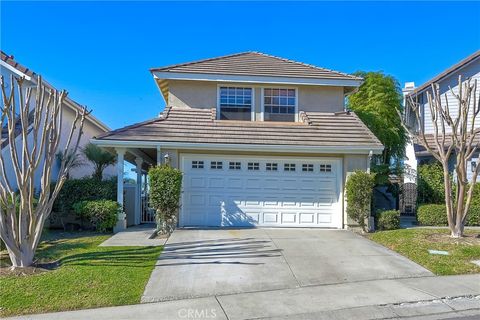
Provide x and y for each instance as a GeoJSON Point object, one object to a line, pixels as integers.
{"type": "Point", "coordinates": [99, 158]}
{"type": "Point", "coordinates": [70, 156]}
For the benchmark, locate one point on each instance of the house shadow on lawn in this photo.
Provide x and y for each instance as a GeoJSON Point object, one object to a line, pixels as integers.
{"type": "Point", "coordinates": [219, 251]}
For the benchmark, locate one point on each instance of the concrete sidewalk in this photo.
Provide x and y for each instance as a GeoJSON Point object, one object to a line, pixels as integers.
{"type": "Point", "coordinates": [435, 297]}
{"type": "Point", "coordinates": [137, 236]}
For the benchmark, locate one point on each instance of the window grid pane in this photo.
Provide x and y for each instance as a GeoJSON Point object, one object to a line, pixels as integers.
{"type": "Point", "coordinates": [253, 166]}
{"type": "Point", "coordinates": [235, 103]}
{"type": "Point", "coordinates": [232, 97]}
{"type": "Point", "coordinates": [235, 165]}
{"type": "Point", "coordinates": [289, 167]}
{"type": "Point", "coordinates": [216, 164]}
{"type": "Point", "coordinates": [271, 166]}
{"type": "Point", "coordinates": [197, 164]}
{"type": "Point", "coordinates": [279, 101]}
{"type": "Point", "coordinates": [325, 168]}
{"type": "Point", "coordinates": [307, 167]}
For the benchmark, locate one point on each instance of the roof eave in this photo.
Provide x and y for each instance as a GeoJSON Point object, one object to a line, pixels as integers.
{"type": "Point", "coordinates": [354, 149]}
{"type": "Point", "coordinates": [167, 75]}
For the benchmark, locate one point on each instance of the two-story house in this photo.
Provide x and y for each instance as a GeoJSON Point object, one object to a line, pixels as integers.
{"type": "Point", "coordinates": [468, 68]}
{"type": "Point", "coordinates": [92, 126]}
{"type": "Point", "coordinates": [261, 141]}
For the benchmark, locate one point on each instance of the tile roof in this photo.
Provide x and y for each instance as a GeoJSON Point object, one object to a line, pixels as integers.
{"type": "Point", "coordinates": [421, 151]}
{"type": "Point", "coordinates": [10, 60]}
{"type": "Point", "coordinates": [256, 64]}
{"type": "Point", "coordinates": [198, 126]}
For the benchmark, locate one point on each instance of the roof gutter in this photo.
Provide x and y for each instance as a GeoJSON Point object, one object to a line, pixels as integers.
{"type": "Point", "coordinates": [240, 147]}
{"type": "Point", "coordinates": [166, 75]}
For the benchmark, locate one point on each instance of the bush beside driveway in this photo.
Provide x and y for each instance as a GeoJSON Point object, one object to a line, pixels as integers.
{"type": "Point", "coordinates": [87, 276]}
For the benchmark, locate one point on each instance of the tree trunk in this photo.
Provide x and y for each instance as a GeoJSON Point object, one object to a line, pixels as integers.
{"type": "Point", "coordinates": [457, 231]}
{"type": "Point", "coordinates": [22, 260]}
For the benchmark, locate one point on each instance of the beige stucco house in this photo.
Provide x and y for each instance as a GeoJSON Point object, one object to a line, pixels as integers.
{"type": "Point", "coordinates": [261, 141]}
{"type": "Point", "coordinates": [92, 126]}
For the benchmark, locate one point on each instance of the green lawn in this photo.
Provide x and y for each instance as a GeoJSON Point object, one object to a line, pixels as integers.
{"type": "Point", "coordinates": [89, 276]}
{"type": "Point", "coordinates": [414, 244]}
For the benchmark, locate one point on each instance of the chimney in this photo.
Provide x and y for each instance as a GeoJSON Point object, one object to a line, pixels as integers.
{"type": "Point", "coordinates": [409, 87]}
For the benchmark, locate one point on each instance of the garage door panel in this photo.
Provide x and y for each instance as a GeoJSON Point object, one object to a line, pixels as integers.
{"type": "Point", "coordinates": [196, 182]}
{"type": "Point", "coordinates": [270, 217]}
{"type": "Point", "coordinates": [216, 182]}
{"type": "Point", "coordinates": [234, 183]}
{"type": "Point", "coordinates": [289, 217]}
{"type": "Point", "coordinates": [324, 218]}
{"type": "Point", "coordinates": [307, 218]}
{"type": "Point", "coordinates": [197, 199]}
{"type": "Point", "coordinates": [240, 191]}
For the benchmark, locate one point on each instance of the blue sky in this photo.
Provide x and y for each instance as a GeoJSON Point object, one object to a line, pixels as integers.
{"type": "Point", "coordinates": [101, 52]}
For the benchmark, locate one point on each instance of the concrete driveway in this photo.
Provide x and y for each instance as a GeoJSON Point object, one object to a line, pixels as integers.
{"type": "Point", "coordinates": [200, 263]}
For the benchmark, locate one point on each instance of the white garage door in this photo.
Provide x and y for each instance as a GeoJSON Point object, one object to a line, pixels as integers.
{"type": "Point", "coordinates": [245, 191]}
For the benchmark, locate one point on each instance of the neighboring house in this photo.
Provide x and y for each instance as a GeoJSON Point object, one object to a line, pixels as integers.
{"type": "Point", "coordinates": [92, 126]}
{"type": "Point", "coordinates": [261, 141]}
{"type": "Point", "coordinates": [468, 68]}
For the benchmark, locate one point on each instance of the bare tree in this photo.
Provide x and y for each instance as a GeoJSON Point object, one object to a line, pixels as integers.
{"type": "Point", "coordinates": [453, 136]}
{"type": "Point", "coordinates": [33, 140]}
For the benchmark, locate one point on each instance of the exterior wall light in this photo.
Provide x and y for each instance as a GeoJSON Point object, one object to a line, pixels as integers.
{"type": "Point", "coordinates": [474, 166]}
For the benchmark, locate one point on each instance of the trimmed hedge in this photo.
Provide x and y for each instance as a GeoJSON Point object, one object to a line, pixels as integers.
{"type": "Point", "coordinates": [101, 213]}
{"type": "Point", "coordinates": [476, 195]}
{"type": "Point", "coordinates": [359, 191]}
{"type": "Point", "coordinates": [436, 215]}
{"type": "Point", "coordinates": [431, 186]}
{"type": "Point", "coordinates": [75, 190]}
{"type": "Point", "coordinates": [165, 191]}
{"type": "Point", "coordinates": [388, 220]}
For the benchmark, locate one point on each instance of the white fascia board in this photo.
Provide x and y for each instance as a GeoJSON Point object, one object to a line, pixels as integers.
{"type": "Point", "coordinates": [91, 118]}
{"type": "Point", "coordinates": [255, 79]}
{"type": "Point", "coordinates": [14, 70]}
{"type": "Point", "coordinates": [240, 147]}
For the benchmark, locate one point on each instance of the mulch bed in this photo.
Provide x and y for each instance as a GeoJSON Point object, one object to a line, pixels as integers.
{"type": "Point", "coordinates": [468, 239]}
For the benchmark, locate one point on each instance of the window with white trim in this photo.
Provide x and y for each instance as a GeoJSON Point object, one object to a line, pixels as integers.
{"type": "Point", "coordinates": [197, 164]}
{"type": "Point", "coordinates": [253, 166]}
{"type": "Point", "coordinates": [235, 103]}
{"type": "Point", "coordinates": [325, 168]}
{"type": "Point", "coordinates": [279, 104]}
{"type": "Point", "coordinates": [216, 164]}
{"type": "Point", "coordinates": [235, 165]}
{"type": "Point", "coordinates": [307, 167]}
{"type": "Point", "coordinates": [271, 166]}
{"type": "Point", "coordinates": [289, 167]}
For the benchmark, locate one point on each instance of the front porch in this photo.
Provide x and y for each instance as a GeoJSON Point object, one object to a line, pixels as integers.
{"type": "Point", "coordinates": [132, 192]}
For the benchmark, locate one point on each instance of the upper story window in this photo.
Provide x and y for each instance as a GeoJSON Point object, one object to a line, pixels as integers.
{"type": "Point", "coordinates": [279, 104]}
{"type": "Point", "coordinates": [235, 103]}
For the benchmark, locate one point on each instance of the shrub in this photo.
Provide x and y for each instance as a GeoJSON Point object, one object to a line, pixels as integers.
{"type": "Point", "coordinates": [436, 215]}
{"type": "Point", "coordinates": [476, 195]}
{"type": "Point", "coordinates": [432, 215]}
{"type": "Point", "coordinates": [101, 213]}
{"type": "Point", "coordinates": [359, 190]}
{"type": "Point", "coordinates": [431, 186]}
{"type": "Point", "coordinates": [76, 190]}
{"type": "Point", "coordinates": [165, 188]}
{"type": "Point", "coordinates": [388, 220]}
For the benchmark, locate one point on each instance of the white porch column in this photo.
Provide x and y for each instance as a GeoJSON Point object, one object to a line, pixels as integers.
{"type": "Point", "coordinates": [122, 222]}
{"type": "Point", "coordinates": [138, 192]}
{"type": "Point", "coordinates": [159, 155]}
